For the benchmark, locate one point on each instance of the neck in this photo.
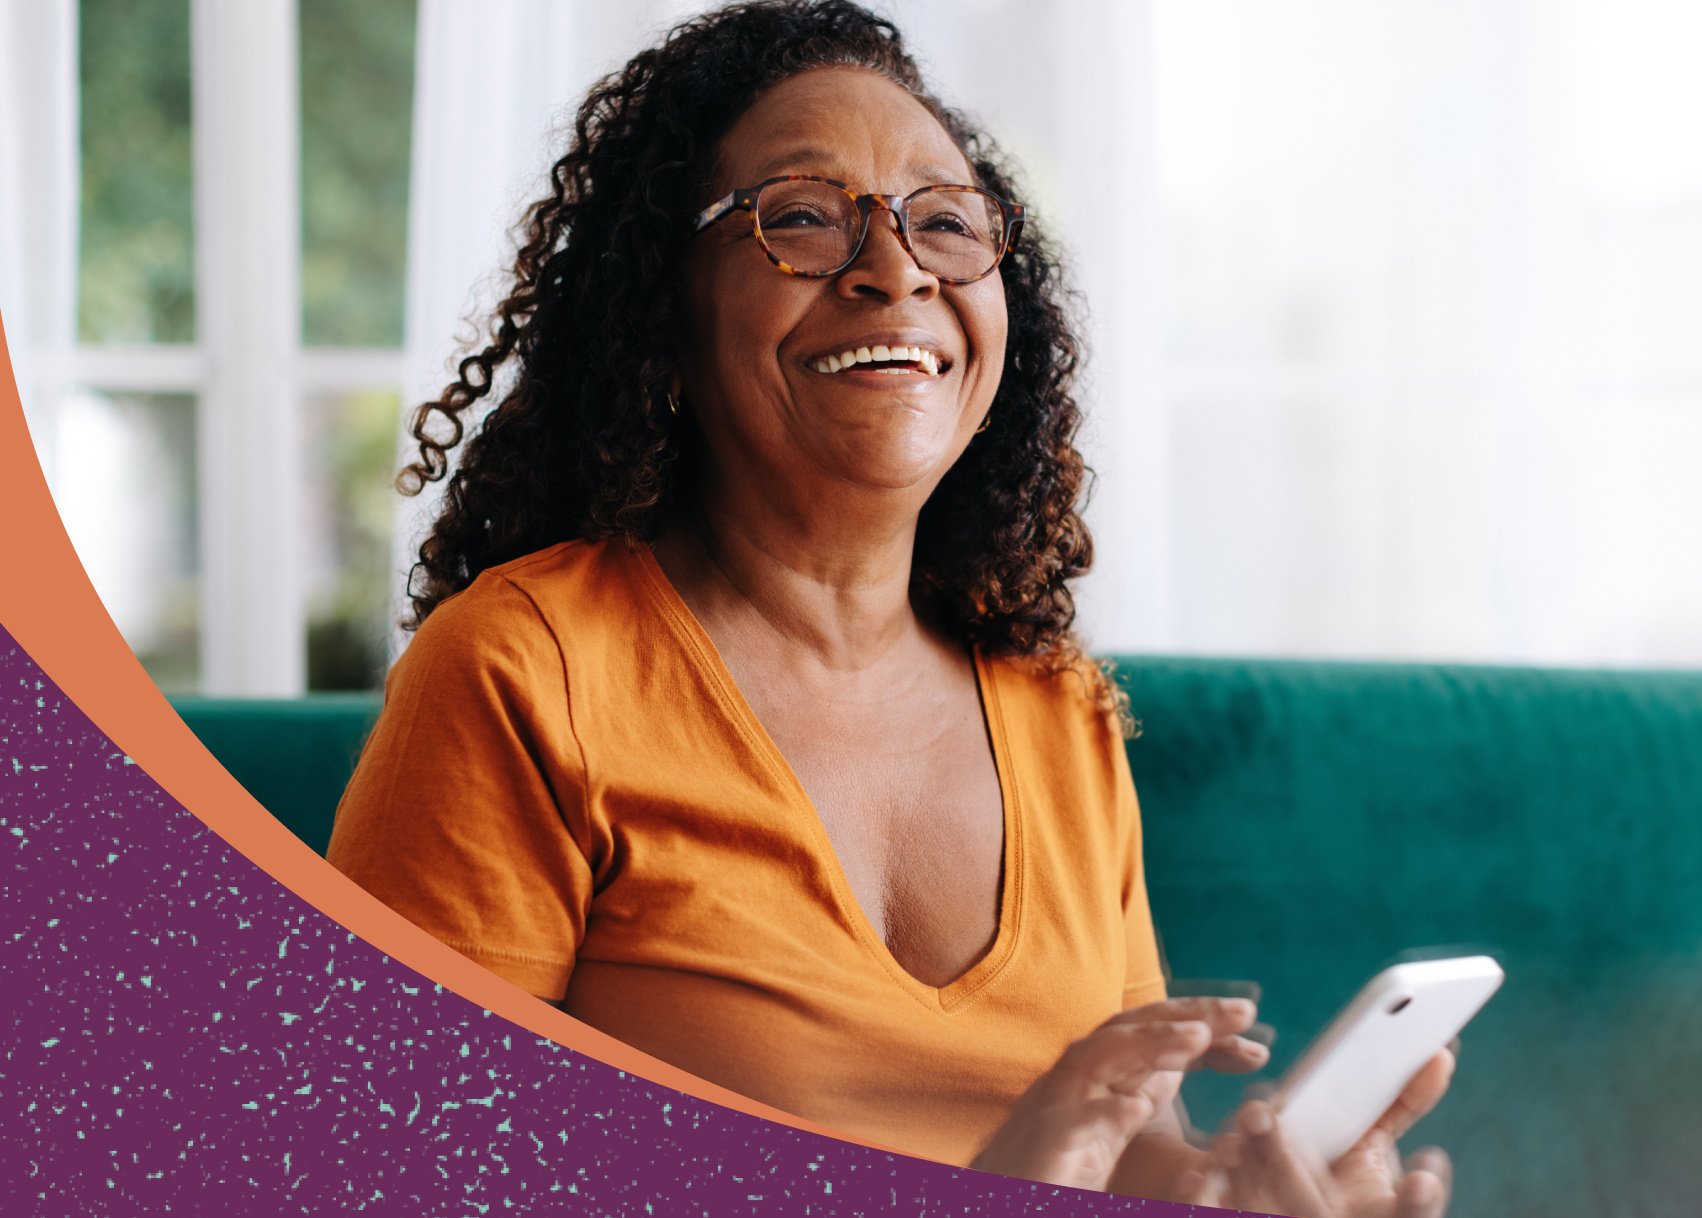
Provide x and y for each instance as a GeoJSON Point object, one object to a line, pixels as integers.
{"type": "Point", "coordinates": [832, 585]}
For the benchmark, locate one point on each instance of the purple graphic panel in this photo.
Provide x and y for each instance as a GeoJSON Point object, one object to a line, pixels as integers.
{"type": "Point", "coordinates": [189, 1035]}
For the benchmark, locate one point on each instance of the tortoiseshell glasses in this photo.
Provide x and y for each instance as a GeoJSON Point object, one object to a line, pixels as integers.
{"type": "Point", "coordinates": [815, 227]}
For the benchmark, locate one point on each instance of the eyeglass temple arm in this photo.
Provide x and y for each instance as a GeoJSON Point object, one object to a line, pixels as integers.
{"type": "Point", "coordinates": [726, 203]}
{"type": "Point", "coordinates": [1014, 224]}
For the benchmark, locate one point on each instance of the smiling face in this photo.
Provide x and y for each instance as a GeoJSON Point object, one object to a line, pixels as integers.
{"type": "Point", "coordinates": [761, 348]}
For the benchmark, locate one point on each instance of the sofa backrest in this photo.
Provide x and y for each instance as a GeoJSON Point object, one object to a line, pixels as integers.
{"type": "Point", "coordinates": [293, 755]}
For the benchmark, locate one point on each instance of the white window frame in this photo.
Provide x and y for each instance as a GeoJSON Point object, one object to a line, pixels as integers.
{"type": "Point", "coordinates": [248, 368]}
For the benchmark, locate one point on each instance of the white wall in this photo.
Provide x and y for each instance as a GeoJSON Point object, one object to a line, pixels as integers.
{"type": "Point", "coordinates": [1394, 308]}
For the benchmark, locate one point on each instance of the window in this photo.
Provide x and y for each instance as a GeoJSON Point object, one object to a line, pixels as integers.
{"type": "Point", "coordinates": [239, 333]}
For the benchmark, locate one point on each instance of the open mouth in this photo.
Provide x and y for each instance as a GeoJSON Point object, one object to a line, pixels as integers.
{"type": "Point", "coordinates": [883, 359]}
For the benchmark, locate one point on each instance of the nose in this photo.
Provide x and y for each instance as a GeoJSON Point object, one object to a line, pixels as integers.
{"type": "Point", "coordinates": [883, 268]}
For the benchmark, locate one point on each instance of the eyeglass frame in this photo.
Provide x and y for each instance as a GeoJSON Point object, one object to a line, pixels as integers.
{"type": "Point", "coordinates": [744, 198]}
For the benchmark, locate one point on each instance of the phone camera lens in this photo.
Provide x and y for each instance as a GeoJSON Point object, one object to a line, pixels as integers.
{"type": "Point", "coordinates": [1400, 1005]}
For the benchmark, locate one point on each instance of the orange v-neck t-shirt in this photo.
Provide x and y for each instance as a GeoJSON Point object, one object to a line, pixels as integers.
{"type": "Point", "coordinates": [567, 786]}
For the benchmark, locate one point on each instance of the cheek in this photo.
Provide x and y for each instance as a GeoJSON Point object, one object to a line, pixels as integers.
{"type": "Point", "coordinates": [988, 323]}
{"type": "Point", "coordinates": [740, 324]}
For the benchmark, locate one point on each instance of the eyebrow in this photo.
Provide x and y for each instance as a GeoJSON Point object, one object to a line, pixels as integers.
{"type": "Point", "coordinates": [929, 174]}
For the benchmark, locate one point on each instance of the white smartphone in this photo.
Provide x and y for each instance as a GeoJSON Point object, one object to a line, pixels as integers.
{"type": "Point", "coordinates": [1352, 1073]}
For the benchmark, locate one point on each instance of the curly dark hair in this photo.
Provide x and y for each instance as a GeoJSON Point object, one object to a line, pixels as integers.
{"type": "Point", "coordinates": [581, 443]}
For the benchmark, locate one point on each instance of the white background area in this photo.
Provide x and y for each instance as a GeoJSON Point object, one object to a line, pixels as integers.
{"type": "Point", "coordinates": [1394, 309]}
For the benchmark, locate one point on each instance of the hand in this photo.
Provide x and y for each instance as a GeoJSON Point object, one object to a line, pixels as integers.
{"type": "Point", "coordinates": [1072, 1125]}
{"type": "Point", "coordinates": [1253, 1167]}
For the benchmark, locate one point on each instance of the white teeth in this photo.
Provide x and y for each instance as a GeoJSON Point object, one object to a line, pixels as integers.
{"type": "Point", "coordinates": [924, 359]}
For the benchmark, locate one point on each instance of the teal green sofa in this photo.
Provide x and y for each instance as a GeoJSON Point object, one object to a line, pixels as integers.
{"type": "Point", "coordinates": [1306, 822]}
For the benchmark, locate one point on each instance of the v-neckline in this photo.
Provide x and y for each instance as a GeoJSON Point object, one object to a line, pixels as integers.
{"type": "Point", "coordinates": [738, 708]}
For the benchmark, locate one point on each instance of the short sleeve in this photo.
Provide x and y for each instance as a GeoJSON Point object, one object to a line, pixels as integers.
{"type": "Point", "coordinates": [466, 811]}
{"type": "Point", "coordinates": [1144, 975]}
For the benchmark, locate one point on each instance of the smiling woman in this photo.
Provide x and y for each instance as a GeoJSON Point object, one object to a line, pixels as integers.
{"type": "Point", "coordinates": [744, 720]}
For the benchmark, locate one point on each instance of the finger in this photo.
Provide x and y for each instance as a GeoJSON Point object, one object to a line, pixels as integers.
{"type": "Point", "coordinates": [1261, 1091]}
{"type": "Point", "coordinates": [1275, 1167]}
{"type": "Point", "coordinates": [1112, 1121]}
{"type": "Point", "coordinates": [1225, 1016]}
{"type": "Point", "coordinates": [1234, 1055]}
{"type": "Point", "coordinates": [1422, 1094]}
{"type": "Point", "coordinates": [1213, 987]}
{"type": "Point", "coordinates": [1123, 1056]}
{"type": "Point", "coordinates": [1434, 1160]}
{"type": "Point", "coordinates": [1227, 1150]}
{"type": "Point", "coordinates": [1207, 1183]}
{"type": "Point", "coordinates": [1195, 1187]}
{"type": "Point", "coordinates": [1371, 1160]}
{"type": "Point", "coordinates": [1427, 1186]}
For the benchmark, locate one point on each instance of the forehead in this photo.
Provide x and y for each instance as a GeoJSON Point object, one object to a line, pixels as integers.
{"type": "Point", "coordinates": [845, 123]}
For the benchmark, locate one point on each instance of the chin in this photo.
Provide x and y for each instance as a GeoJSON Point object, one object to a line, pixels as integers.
{"type": "Point", "coordinates": [906, 451]}
{"type": "Point", "coordinates": [898, 463]}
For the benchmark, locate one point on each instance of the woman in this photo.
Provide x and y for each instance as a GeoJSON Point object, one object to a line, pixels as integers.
{"type": "Point", "coordinates": [743, 720]}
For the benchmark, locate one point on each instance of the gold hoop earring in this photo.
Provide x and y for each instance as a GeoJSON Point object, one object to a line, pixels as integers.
{"type": "Point", "coordinates": [985, 419]}
{"type": "Point", "coordinates": [673, 406]}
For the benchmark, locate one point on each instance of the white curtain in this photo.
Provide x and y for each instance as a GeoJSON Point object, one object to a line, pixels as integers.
{"type": "Point", "coordinates": [38, 207]}
{"type": "Point", "coordinates": [1394, 309]}
{"type": "Point", "coordinates": [1432, 288]}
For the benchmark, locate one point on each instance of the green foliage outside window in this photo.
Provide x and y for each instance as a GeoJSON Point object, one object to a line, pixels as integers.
{"type": "Point", "coordinates": [351, 451]}
{"type": "Point", "coordinates": [357, 96]}
{"type": "Point", "coordinates": [137, 275]}
{"type": "Point", "coordinates": [136, 282]}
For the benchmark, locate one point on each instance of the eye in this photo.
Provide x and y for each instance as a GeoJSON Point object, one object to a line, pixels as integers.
{"type": "Point", "coordinates": [946, 222]}
{"type": "Point", "coordinates": [797, 215]}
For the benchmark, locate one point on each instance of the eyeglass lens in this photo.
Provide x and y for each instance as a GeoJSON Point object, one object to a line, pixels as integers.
{"type": "Point", "coordinates": [813, 227]}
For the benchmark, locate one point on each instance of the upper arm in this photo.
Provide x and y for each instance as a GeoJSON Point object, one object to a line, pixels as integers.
{"type": "Point", "coordinates": [466, 812]}
{"type": "Point", "coordinates": [1144, 973]}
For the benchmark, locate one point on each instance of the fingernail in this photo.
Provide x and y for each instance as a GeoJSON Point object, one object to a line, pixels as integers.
{"type": "Point", "coordinates": [1239, 1008]}
{"type": "Point", "coordinates": [1263, 1033]}
{"type": "Point", "coordinates": [1256, 1120]}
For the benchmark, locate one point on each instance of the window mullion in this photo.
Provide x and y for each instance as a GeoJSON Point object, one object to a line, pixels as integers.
{"type": "Point", "coordinates": [247, 237]}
